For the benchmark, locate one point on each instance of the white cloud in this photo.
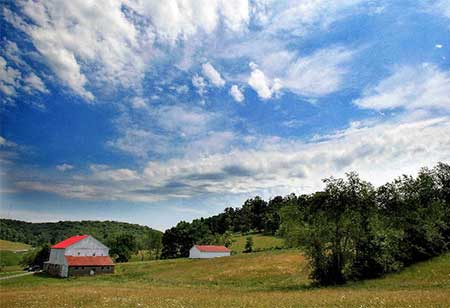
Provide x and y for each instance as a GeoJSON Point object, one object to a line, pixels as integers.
{"type": "Point", "coordinates": [12, 81]}
{"type": "Point", "coordinates": [64, 167]}
{"type": "Point", "coordinates": [183, 120]}
{"type": "Point", "coordinates": [439, 7]}
{"type": "Point", "coordinates": [264, 86]}
{"type": "Point", "coordinates": [272, 166]}
{"type": "Point", "coordinates": [199, 83]}
{"type": "Point", "coordinates": [34, 83]}
{"type": "Point", "coordinates": [236, 93]}
{"type": "Point", "coordinates": [212, 74]}
{"type": "Point", "coordinates": [13, 53]}
{"type": "Point", "coordinates": [439, 46]}
{"type": "Point", "coordinates": [298, 17]}
{"type": "Point", "coordinates": [90, 44]}
{"type": "Point", "coordinates": [6, 143]}
{"type": "Point", "coordinates": [138, 103]}
{"type": "Point", "coordinates": [73, 36]}
{"type": "Point", "coordinates": [178, 19]}
{"type": "Point", "coordinates": [105, 173]}
{"type": "Point", "coordinates": [9, 78]}
{"type": "Point", "coordinates": [319, 74]}
{"type": "Point", "coordinates": [139, 142]}
{"type": "Point", "coordinates": [410, 88]}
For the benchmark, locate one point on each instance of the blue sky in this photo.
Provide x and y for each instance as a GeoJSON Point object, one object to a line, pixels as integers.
{"type": "Point", "coordinates": [158, 111]}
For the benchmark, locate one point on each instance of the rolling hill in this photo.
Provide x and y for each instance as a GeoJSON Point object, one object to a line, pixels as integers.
{"type": "Point", "coordinates": [265, 279]}
{"type": "Point", "coordinates": [52, 232]}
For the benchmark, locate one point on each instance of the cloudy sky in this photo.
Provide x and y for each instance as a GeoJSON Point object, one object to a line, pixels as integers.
{"type": "Point", "coordinates": [156, 111]}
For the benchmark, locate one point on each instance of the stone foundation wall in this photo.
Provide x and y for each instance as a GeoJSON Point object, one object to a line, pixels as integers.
{"type": "Point", "coordinates": [53, 269]}
{"type": "Point", "coordinates": [86, 270]}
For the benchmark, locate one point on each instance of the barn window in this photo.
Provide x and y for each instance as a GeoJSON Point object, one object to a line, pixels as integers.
{"type": "Point", "coordinates": [102, 267]}
{"type": "Point", "coordinates": [82, 267]}
{"type": "Point", "coordinates": [78, 253]}
{"type": "Point", "coordinates": [76, 268]}
{"type": "Point", "coordinates": [93, 254]}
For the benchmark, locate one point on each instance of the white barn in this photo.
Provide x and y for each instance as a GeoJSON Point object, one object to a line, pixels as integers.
{"type": "Point", "coordinates": [208, 251]}
{"type": "Point", "coordinates": [79, 255]}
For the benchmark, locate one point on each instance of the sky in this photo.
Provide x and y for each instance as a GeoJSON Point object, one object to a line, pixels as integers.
{"type": "Point", "coordinates": [153, 112]}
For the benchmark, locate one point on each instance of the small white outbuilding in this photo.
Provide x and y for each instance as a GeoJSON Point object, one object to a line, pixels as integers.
{"type": "Point", "coordinates": [208, 251]}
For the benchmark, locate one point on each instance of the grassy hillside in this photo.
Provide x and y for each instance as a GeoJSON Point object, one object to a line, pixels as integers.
{"type": "Point", "coordinates": [9, 258]}
{"type": "Point", "coordinates": [13, 246]}
{"type": "Point", "coordinates": [266, 279]}
{"type": "Point", "coordinates": [260, 242]}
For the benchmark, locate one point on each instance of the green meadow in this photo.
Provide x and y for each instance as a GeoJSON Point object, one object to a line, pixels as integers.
{"type": "Point", "coordinates": [263, 279]}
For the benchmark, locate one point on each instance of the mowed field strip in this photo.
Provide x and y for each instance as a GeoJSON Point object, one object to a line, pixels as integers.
{"type": "Point", "coordinates": [265, 279]}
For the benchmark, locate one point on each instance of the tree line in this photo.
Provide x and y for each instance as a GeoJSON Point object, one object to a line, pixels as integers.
{"type": "Point", "coordinates": [349, 231]}
{"type": "Point", "coordinates": [37, 234]}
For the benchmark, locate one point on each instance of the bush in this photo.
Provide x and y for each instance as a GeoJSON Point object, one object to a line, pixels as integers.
{"type": "Point", "coordinates": [248, 245]}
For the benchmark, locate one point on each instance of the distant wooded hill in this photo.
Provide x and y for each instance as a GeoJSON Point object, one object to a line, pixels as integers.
{"type": "Point", "coordinates": [52, 232]}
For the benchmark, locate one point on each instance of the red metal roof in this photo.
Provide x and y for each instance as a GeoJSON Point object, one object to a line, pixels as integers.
{"type": "Point", "coordinates": [70, 241]}
{"type": "Point", "coordinates": [89, 261]}
{"type": "Point", "coordinates": [212, 248]}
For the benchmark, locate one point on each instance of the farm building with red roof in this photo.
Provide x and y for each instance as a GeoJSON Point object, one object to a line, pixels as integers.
{"type": "Point", "coordinates": [208, 252]}
{"type": "Point", "coordinates": [79, 255]}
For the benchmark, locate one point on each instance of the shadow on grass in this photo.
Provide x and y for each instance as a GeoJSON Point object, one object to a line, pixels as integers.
{"type": "Point", "coordinates": [46, 275]}
{"type": "Point", "coordinates": [292, 287]}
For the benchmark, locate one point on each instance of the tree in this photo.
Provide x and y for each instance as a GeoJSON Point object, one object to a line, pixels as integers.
{"type": "Point", "coordinates": [122, 247]}
{"type": "Point", "coordinates": [271, 219]}
{"type": "Point", "coordinates": [340, 233]}
{"type": "Point", "coordinates": [153, 244]}
{"type": "Point", "coordinates": [36, 257]}
{"type": "Point", "coordinates": [248, 244]}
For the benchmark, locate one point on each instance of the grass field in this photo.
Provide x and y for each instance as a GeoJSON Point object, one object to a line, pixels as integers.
{"type": "Point", "coordinates": [265, 279]}
{"type": "Point", "coordinates": [13, 246]}
{"type": "Point", "coordinates": [260, 242]}
{"type": "Point", "coordinates": [9, 259]}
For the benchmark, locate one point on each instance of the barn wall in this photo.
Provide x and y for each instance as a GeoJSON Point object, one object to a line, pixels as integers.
{"type": "Point", "coordinates": [208, 255]}
{"type": "Point", "coordinates": [57, 256]}
{"type": "Point", "coordinates": [194, 253]}
{"type": "Point", "coordinates": [87, 247]}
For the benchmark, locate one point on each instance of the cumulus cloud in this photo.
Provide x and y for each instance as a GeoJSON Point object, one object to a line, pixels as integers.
{"type": "Point", "coordinates": [317, 74]}
{"type": "Point", "coordinates": [89, 44]}
{"type": "Point", "coordinates": [213, 75]}
{"type": "Point", "coordinates": [64, 167]}
{"type": "Point", "coordinates": [410, 88]}
{"type": "Point", "coordinates": [73, 36]}
{"type": "Point", "coordinates": [262, 85]}
{"type": "Point", "coordinates": [177, 19]}
{"type": "Point", "coordinates": [236, 93]}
